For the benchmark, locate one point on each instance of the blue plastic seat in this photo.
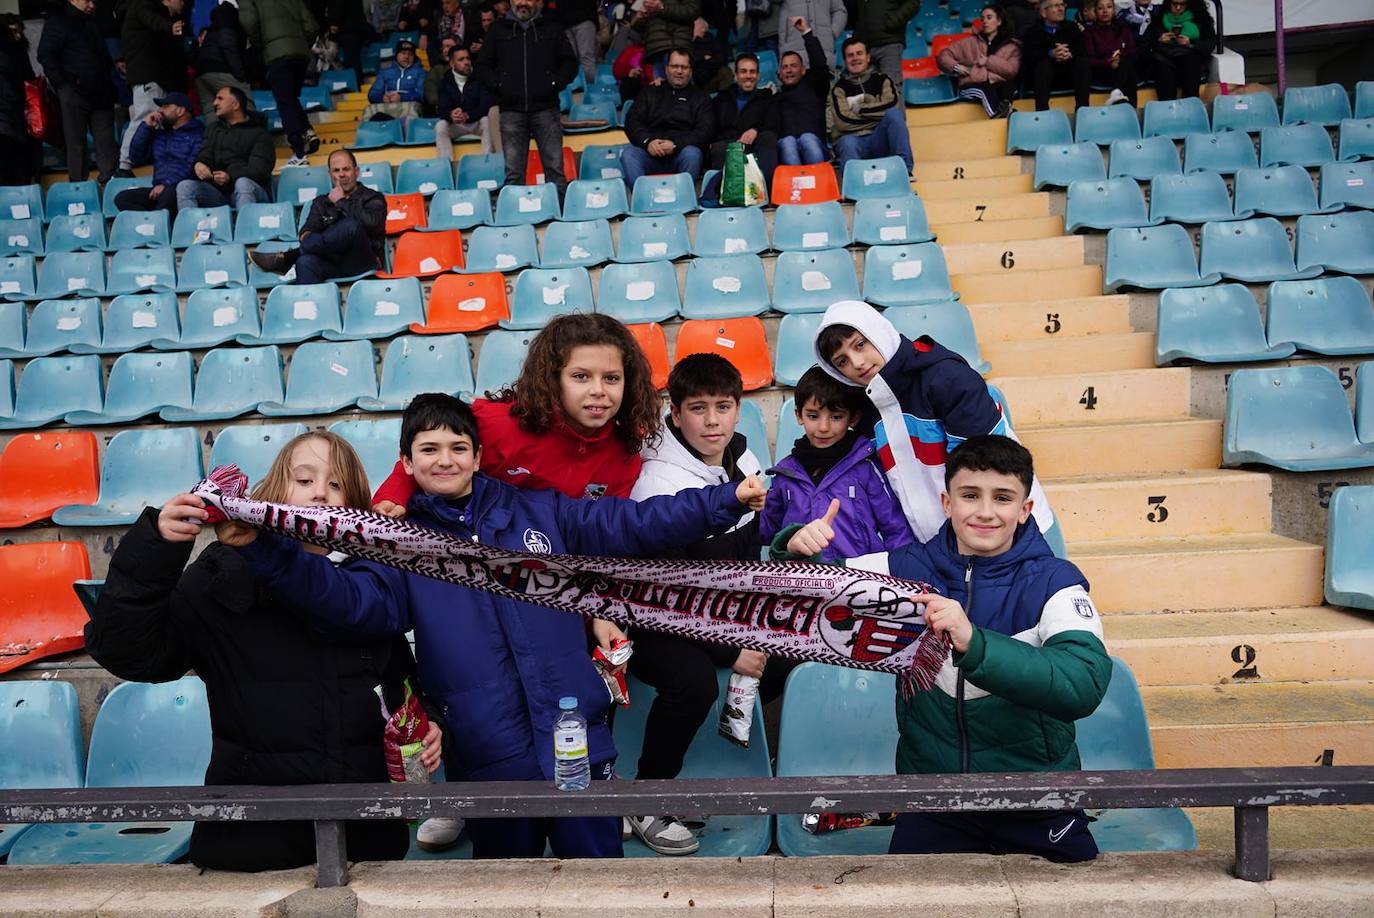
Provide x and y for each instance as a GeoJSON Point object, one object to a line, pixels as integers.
{"type": "Point", "coordinates": [1338, 242]}
{"type": "Point", "coordinates": [422, 363]}
{"type": "Point", "coordinates": [72, 199]}
{"type": "Point", "coordinates": [72, 273]}
{"type": "Point", "coordinates": [1326, 104]}
{"type": "Point", "coordinates": [1059, 165]}
{"type": "Point", "coordinates": [1244, 112]}
{"type": "Point", "coordinates": [948, 323]}
{"type": "Point", "coordinates": [1296, 418]}
{"type": "Point", "coordinates": [1255, 251]}
{"type": "Point", "coordinates": [17, 277]}
{"type": "Point", "coordinates": [1175, 118]}
{"type": "Point", "coordinates": [576, 244]}
{"type": "Point", "coordinates": [41, 724]}
{"type": "Point", "coordinates": [521, 204]}
{"type": "Point", "coordinates": [373, 135]}
{"type": "Point", "coordinates": [501, 248]}
{"type": "Point", "coordinates": [1281, 191]}
{"type": "Point", "coordinates": [928, 91]}
{"type": "Point", "coordinates": [501, 359]}
{"type": "Point", "coordinates": [214, 316]}
{"type": "Point", "coordinates": [794, 355]}
{"type": "Point", "coordinates": [140, 385]}
{"type": "Point", "coordinates": [377, 176]}
{"type": "Point", "coordinates": [799, 227]}
{"type": "Point", "coordinates": [601, 163]}
{"type": "Point", "coordinates": [600, 108]}
{"type": "Point", "coordinates": [296, 312]}
{"type": "Point", "coordinates": [1225, 152]}
{"type": "Point", "coordinates": [1349, 577]}
{"type": "Point", "coordinates": [380, 308]}
{"type": "Point", "coordinates": [424, 176]}
{"type": "Point", "coordinates": [906, 275]}
{"type": "Point", "coordinates": [21, 202]}
{"type": "Point", "coordinates": [1296, 145]}
{"type": "Point", "coordinates": [252, 447]}
{"type": "Point", "coordinates": [318, 97]}
{"type": "Point", "coordinates": [639, 293]}
{"type": "Point", "coordinates": [811, 281]}
{"type": "Point", "coordinates": [1218, 324]}
{"type": "Point", "coordinates": [1327, 315]}
{"type": "Point", "coordinates": [325, 377]}
{"type": "Point", "coordinates": [19, 237]}
{"type": "Point", "coordinates": [138, 270]}
{"type": "Point", "coordinates": [1364, 99]}
{"type": "Point", "coordinates": [376, 441]}
{"type": "Point", "coordinates": [144, 736]}
{"type": "Point", "coordinates": [141, 468]}
{"type": "Point", "coordinates": [83, 233]}
{"type": "Point", "coordinates": [1356, 139]}
{"type": "Point", "coordinates": [663, 194]}
{"type": "Point", "coordinates": [302, 184]}
{"type": "Point", "coordinates": [136, 320]}
{"type": "Point", "coordinates": [204, 224]}
{"type": "Point", "coordinates": [264, 222]}
{"type": "Point", "coordinates": [876, 178]}
{"type": "Point", "coordinates": [1196, 198]}
{"type": "Point", "coordinates": [135, 229]}
{"type": "Point", "coordinates": [1153, 258]}
{"type": "Point", "coordinates": [419, 132]}
{"type": "Point", "coordinates": [891, 221]}
{"type": "Point", "coordinates": [595, 199]}
{"type": "Point", "coordinates": [263, 100]}
{"type": "Point", "coordinates": [653, 238]}
{"type": "Point", "coordinates": [231, 382]}
{"type": "Point", "coordinates": [56, 325]}
{"type": "Point", "coordinates": [213, 266]}
{"type": "Point", "coordinates": [755, 434]}
{"type": "Point", "coordinates": [1144, 159]}
{"type": "Point", "coordinates": [724, 287]}
{"type": "Point", "coordinates": [458, 209]}
{"type": "Point", "coordinates": [1027, 131]}
{"type": "Point", "coordinates": [14, 321]}
{"type": "Point", "coordinates": [540, 294]}
{"type": "Point", "coordinates": [1347, 185]}
{"type": "Point", "coordinates": [485, 171]}
{"type": "Point", "coordinates": [1105, 204]}
{"type": "Point", "coordinates": [731, 231]}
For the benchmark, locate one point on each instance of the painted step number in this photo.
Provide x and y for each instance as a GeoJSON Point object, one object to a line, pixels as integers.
{"type": "Point", "coordinates": [1089, 399]}
{"type": "Point", "coordinates": [1158, 512]}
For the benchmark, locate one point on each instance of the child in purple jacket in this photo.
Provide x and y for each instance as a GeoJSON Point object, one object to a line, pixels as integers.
{"type": "Point", "coordinates": [834, 462]}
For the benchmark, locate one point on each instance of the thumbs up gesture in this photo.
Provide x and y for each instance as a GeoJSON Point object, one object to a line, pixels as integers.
{"type": "Point", "coordinates": [815, 536]}
{"type": "Point", "coordinates": [751, 492]}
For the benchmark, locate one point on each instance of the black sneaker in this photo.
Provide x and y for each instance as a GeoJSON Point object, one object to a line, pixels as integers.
{"type": "Point", "coordinates": [312, 142]}
{"type": "Point", "coordinates": [124, 173]}
{"type": "Point", "coordinates": [1003, 110]}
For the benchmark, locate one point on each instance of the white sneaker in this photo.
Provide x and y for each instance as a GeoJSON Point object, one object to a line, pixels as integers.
{"type": "Point", "coordinates": [625, 830]}
{"type": "Point", "coordinates": [438, 833]}
{"type": "Point", "coordinates": [1116, 96]}
{"type": "Point", "coordinates": [664, 834]}
{"type": "Point", "coordinates": [298, 161]}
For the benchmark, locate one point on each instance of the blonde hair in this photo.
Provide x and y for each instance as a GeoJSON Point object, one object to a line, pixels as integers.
{"type": "Point", "coordinates": [348, 468]}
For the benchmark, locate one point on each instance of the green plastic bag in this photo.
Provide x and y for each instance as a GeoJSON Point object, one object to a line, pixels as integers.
{"type": "Point", "coordinates": [732, 183]}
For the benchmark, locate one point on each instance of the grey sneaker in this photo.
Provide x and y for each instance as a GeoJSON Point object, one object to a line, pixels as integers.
{"type": "Point", "coordinates": [438, 833]}
{"type": "Point", "coordinates": [664, 834]}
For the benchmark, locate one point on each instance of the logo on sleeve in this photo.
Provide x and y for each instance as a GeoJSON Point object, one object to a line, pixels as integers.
{"type": "Point", "coordinates": [537, 542]}
{"type": "Point", "coordinates": [1083, 606]}
{"type": "Point", "coordinates": [594, 490]}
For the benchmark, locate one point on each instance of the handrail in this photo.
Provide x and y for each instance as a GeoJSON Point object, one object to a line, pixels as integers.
{"type": "Point", "coordinates": [1251, 791]}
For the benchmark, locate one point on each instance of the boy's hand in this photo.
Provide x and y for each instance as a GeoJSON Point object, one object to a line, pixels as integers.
{"type": "Point", "coordinates": [180, 518]}
{"type": "Point", "coordinates": [432, 748]}
{"type": "Point", "coordinates": [606, 634]}
{"type": "Point", "coordinates": [750, 663]}
{"type": "Point", "coordinates": [235, 534]}
{"type": "Point", "coordinates": [389, 508]}
{"type": "Point", "coordinates": [816, 536]}
{"type": "Point", "coordinates": [751, 492]}
{"type": "Point", "coordinates": [945, 616]}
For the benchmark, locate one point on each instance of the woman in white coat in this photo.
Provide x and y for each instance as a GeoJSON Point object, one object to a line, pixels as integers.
{"type": "Point", "coordinates": [827, 19]}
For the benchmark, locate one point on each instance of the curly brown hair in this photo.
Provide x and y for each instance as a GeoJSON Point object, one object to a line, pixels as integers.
{"type": "Point", "coordinates": [536, 393]}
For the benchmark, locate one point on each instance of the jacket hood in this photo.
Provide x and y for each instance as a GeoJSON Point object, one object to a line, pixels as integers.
{"type": "Point", "coordinates": [671, 451]}
{"type": "Point", "coordinates": [857, 314]}
{"type": "Point", "coordinates": [1028, 544]}
{"type": "Point", "coordinates": [224, 15]}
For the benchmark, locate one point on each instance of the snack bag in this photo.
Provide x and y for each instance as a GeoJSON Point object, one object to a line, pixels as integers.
{"type": "Point", "coordinates": [403, 738]}
{"type": "Point", "coordinates": [737, 711]}
{"type": "Point", "coordinates": [820, 823]}
{"type": "Point", "coordinates": [607, 662]}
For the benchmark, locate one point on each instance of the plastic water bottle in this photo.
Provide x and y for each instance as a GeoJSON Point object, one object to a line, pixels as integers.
{"type": "Point", "coordinates": [571, 770]}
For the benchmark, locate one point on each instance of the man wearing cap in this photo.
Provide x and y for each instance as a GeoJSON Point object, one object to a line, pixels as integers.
{"type": "Point", "coordinates": [399, 87]}
{"type": "Point", "coordinates": [170, 139]}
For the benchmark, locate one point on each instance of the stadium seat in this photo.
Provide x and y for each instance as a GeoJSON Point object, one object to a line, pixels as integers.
{"type": "Point", "coordinates": [263, 100]}
{"type": "Point", "coordinates": [232, 381]}
{"type": "Point", "coordinates": [1224, 152]}
{"type": "Point", "coordinates": [17, 277]}
{"type": "Point", "coordinates": [42, 726]}
{"type": "Point", "coordinates": [1028, 131]}
{"type": "Point", "coordinates": [414, 364]}
{"type": "Point", "coordinates": [517, 205]}
{"type": "Point", "coordinates": [139, 270]}
{"type": "Point", "coordinates": [464, 303]}
{"type": "Point", "coordinates": [40, 472]}
{"type": "Point", "coordinates": [1356, 139]}
{"type": "Point", "coordinates": [425, 254]}
{"type": "Point", "coordinates": [459, 209]}
{"type": "Point", "coordinates": [72, 199]}
{"type": "Point", "coordinates": [652, 238]}
{"type": "Point", "coordinates": [948, 323]}
{"type": "Point", "coordinates": [377, 176]}
{"type": "Point", "coordinates": [134, 229]}
{"type": "Point", "coordinates": [212, 266]}
{"type": "Point", "coordinates": [1364, 99]}
{"type": "Point", "coordinates": [297, 312]}
{"type": "Point", "coordinates": [1338, 242]}
{"type": "Point", "coordinates": [144, 736]}
{"type": "Point", "coordinates": [651, 340]}
{"type": "Point", "coordinates": [302, 184]}
{"type": "Point", "coordinates": [796, 332]}
{"type": "Point", "coordinates": [639, 293]}
{"type": "Point", "coordinates": [216, 316]}
{"type": "Point", "coordinates": [1296, 145]}
{"type": "Point", "coordinates": [896, 220]}
{"type": "Point", "coordinates": [582, 244]}
{"type": "Point", "coordinates": [405, 212]}
{"type": "Point", "coordinates": [876, 178]}
{"type": "Point", "coordinates": [1364, 403]}
{"type": "Point", "coordinates": [1143, 159]}
{"type": "Point", "coordinates": [663, 194]}
{"type": "Point", "coordinates": [799, 227]}
{"type": "Point", "coordinates": [50, 387]}
{"type": "Point", "coordinates": [755, 433]}
{"type": "Point", "coordinates": [62, 325]}
{"type": "Point", "coordinates": [601, 109]}
{"type": "Point", "coordinates": [1244, 112]}
{"type": "Point", "coordinates": [540, 294]}
{"type": "Point", "coordinates": [1254, 251]}
{"type": "Point", "coordinates": [595, 199]}
{"type": "Point", "coordinates": [133, 321]}
{"type": "Point", "coordinates": [731, 231]}
{"type": "Point", "coordinates": [21, 202]}
{"type": "Point", "coordinates": [203, 224]}
{"type": "Point", "coordinates": [804, 184]}
{"type": "Point", "coordinates": [380, 309]}
{"type": "Point", "coordinates": [932, 91]}
{"type": "Point", "coordinates": [710, 755]}
{"type": "Point", "coordinates": [140, 385]}
{"type": "Point", "coordinates": [252, 447]}
{"type": "Point", "coordinates": [483, 172]}
{"type": "Point", "coordinates": [602, 163]}
{"type": "Point", "coordinates": [68, 273]}
{"type": "Point", "coordinates": [117, 184]}
{"type": "Point", "coordinates": [811, 281]}
{"type": "Point", "coordinates": [318, 97]}
{"type": "Point", "coordinates": [18, 237]}
{"type": "Point", "coordinates": [82, 233]}
{"type": "Point", "coordinates": [1347, 185]}
{"type": "Point", "coordinates": [906, 275]}
{"type": "Point", "coordinates": [419, 132]}
{"type": "Point", "coordinates": [1153, 258]}
{"type": "Point", "coordinates": [424, 176]}
{"type": "Point", "coordinates": [1328, 315]}
{"type": "Point", "coordinates": [1281, 191]}
{"type": "Point", "coordinates": [725, 286]}
{"type": "Point", "coordinates": [325, 377]}
{"type": "Point", "coordinates": [501, 358]}
{"type": "Point", "coordinates": [1196, 198]}
{"type": "Point", "coordinates": [376, 441]}
{"type": "Point", "coordinates": [142, 468]}
{"type": "Point", "coordinates": [40, 615]}
{"type": "Point", "coordinates": [13, 327]}
{"type": "Point", "coordinates": [1218, 324]}
{"type": "Point", "coordinates": [742, 341]}
{"type": "Point", "coordinates": [1349, 549]}
{"type": "Point", "coordinates": [1058, 165]}
{"type": "Point", "coordinates": [1327, 104]}
{"type": "Point", "coordinates": [264, 222]}
{"type": "Point", "coordinates": [1296, 418]}
{"type": "Point", "coordinates": [1175, 118]}
{"type": "Point", "coordinates": [500, 248]}
{"type": "Point", "coordinates": [789, 428]}
{"type": "Point", "coordinates": [534, 167]}
{"type": "Point", "coordinates": [1105, 204]}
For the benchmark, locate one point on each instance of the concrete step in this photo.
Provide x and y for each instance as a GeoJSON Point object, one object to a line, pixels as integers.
{"type": "Point", "coordinates": [1308, 644]}
{"type": "Point", "coordinates": [964, 167]}
{"type": "Point", "coordinates": [1007, 286]}
{"type": "Point", "coordinates": [999, 230]}
{"type": "Point", "coordinates": [1290, 827]}
{"type": "Point", "coordinates": [995, 187]}
{"type": "Point", "coordinates": [1145, 446]}
{"type": "Point", "coordinates": [1086, 353]}
{"type": "Point", "coordinates": [1200, 572]}
{"type": "Point", "coordinates": [932, 121]}
{"type": "Point", "coordinates": [1053, 320]}
{"type": "Point", "coordinates": [1013, 257]}
{"type": "Point", "coordinates": [1261, 724]}
{"type": "Point", "coordinates": [1142, 507]}
{"type": "Point", "coordinates": [1096, 398]}
{"type": "Point", "coordinates": [987, 209]}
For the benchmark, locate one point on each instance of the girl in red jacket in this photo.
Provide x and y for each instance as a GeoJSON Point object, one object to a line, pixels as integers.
{"type": "Point", "coordinates": [986, 63]}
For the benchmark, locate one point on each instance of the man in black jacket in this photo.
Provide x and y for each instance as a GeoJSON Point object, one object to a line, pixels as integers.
{"type": "Point", "coordinates": [464, 104]}
{"type": "Point", "coordinates": [526, 62]}
{"type": "Point", "coordinates": [746, 114]}
{"type": "Point", "coordinates": [800, 103]}
{"type": "Point", "coordinates": [155, 61]}
{"type": "Point", "coordinates": [344, 234]}
{"type": "Point", "coordinates": [77, 64]}
{"type": "Point", "coordinates": [1053, 56]}
{"type": "Point", "coordinates": [236, 158]}
{"type": "Point", "coordinates": [669, 126]}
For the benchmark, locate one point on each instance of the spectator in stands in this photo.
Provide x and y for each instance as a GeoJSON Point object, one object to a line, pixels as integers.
{"type": "Point", "coordinates": [1021, 16]}
{"type": "Point", "coordinates": [1137, 14]}
{"type": "Point", "coordinates": [236, 157]}
{"type": "Point", "coordinates": [438, 70]}
{"type": "Point", "coordinates": [486, 18]}
{"type": "Point", "coordinates": [827, 19]}
{"type": "Point", "coordinates": [416, 16]}
{"type": "Point", "coordinates": [866, 111]}
{"type": "Point", "coordinates": [667, 24]}
{"type": "Point", "coordinates": [290, 703]}
{"type": "Point", "coordinates": [17, 149]}
{"type": "Point", "coordinates": [75, 60]}
{"type": "Point", "coordinates": [578, 18]}
{"type": "Point", "coordinates": [155, 61]}
{"type": "Point", "coordinates": [746, 113]}
{"type": "Point", "coordinates": [630, 71]}
{"type": "Point", "coordinates": [400, 86]}
{"type": "Point", "coordinates": [1183, 37]}
{"type": "Point", "coordinates": [349, 26]}
{"type": "Point", "coordinates": [384, 15]}
{"type": "Point", "coordinates": [449, 22]}
{"type": "Point", "coordinates": [344, 233]}
{"type": "Point", "coordinates": [1111, 52]}
{"type": "Point", "coordinates": [986, 64]}
{"type": "Point", "coordinates": [170, 138]}
{"type": "Point", "coordinates": [1053, 57]}
{"type": "Point", "coordinates": [710, 59]}
{"type": "Point", "coordinates": [466, 108]}
{"type": "Point", "coordinates": [670, 126]}
{"type": "Point", "coordinates": [526, 61]}
{"type": "Point", "coordinates": [283, 30]}
{"type": "Point", "coordinates": [220, 59]}
{"type": "Point", "coordinates": [802, 100]}
{"type": "Point", "coordinates": [881, 26]}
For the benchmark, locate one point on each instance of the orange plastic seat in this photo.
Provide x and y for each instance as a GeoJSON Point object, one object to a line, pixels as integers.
{"type": "Point", "coordinates": [534, 169]}
{"type": "Point", "coordinates": [40, 472]}
{"type": "Point", "coordinates": [742, 341]}
{"type": "Point", "coordinates": [426, 254]}
{"type": "Point", "coordinates": [465, 303]}
{"type": "Point", "coordinates": [655, 347]}
{"type": "Point", "coordinates": [405, 212]}
{"type": "Point", "coordinates": [922, 68]}
{"type": "Point", "coordinates": [40, 614]}
{"type": "Point", "coordinates": [805, 184]}
{"type": "Point", "coordinates": [941, 42]}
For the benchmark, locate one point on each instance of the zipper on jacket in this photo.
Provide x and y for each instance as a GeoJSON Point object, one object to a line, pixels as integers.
{"type": "Point", "coordinates": [959, 714]}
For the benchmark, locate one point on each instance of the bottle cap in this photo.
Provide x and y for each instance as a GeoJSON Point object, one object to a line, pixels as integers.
{"type": "Point", "coordinates": [567, 703]}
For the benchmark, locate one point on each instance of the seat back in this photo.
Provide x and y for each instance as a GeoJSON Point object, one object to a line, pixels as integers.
{"type": "Point", "coordinates": [1153, 257]}
{"type": "Point", "coordinates": [213, 266]}
{"type": "Point", "coordinates": [263, 222]}
{"type": "Point", "coordinates": [140, 385]}
{"type": "Point", "coordinates": [795, 356]}
{"type": "Point", "coordinates": [1327, 315]}
{"type": "Point", "coordinates": [1348, 185]}
{"type": "Point", "coordinates": [203, 224]}
{"type": "Point", "coordinates": [40, 472]}
{"type": "Point", "coordinates": [906, 275]}
{"type": "Point", "coordinates": [1244, 112]}
{"type": "Point", "coordinates": [301, 184]}
{"type": "Point", "coordinates": [1175, 118]}
{"type": "Point", "coordinates": [56, 325]}
{"type": "Point", "coordinates": [811, 281]}
{"type": "Point", "coordinates": [534, 167]}
{"type": "Point", "coordinates": [21, 202]}
{"type": "Point", "coordinates": [1282, 191]}
{"type": "Point", "coordinates": [1026, 131]}
{"type": "Point", "coordinates": [17, 277]}
{"type": "Point", "coordinates": [810, 226]}
{"type": "Point", "coordinates": [377, 443]}
{"type": "Point", "coordinates": [72, 199]}
{"type": "Point", "coordinates": [932, 91]}
{"type": "Point", "coordinates": [601, 163]}
{"type": "Point", "coordinates": [1143, 159]}
{"type": "Point", "coordinates": [742, 341]}
{"type": "Point", "coordinates": [1216, 324]}
{"type": "Point", "coordinates": [326, 376]}
{"type": "Point", "coordinates": [521, 204]}
{"type": "Point", "coordinates": [723, 286]}
{"type": "Point", "coordinates": [21, 236]}
{"type": "Point", "coordinates": [50, 387]}
{"type": "Point", "coordinates": [569, 244]}
{"type": "Point", "coordinates": [405, 212]}
{"type": "Point", "coordinates": [41, 724]}
{"type": "Point", "coordinates": [133, 321]}
{"type": "Point", "coordinates": [1196, 198]}
{"type": "Point", "coordinates": [891, 221]}
{"type": "Point", "coordinates": [878, 178]}
{"type": "Point", "coordinates": [1336, 243]}
{"type": "Point", "coordinates": [542, 293]}
{"type": "Point", "coordinates": [40, 615]}
{"type": "Point", "coordinates": [731, 231]}
{"type": "Point", "coordinates": [419, 132]}
{"type": "Point", "coordinates": [501, 359]}
{"type": "Point", "coordinates": [373, 135]}
{"type": "Point", "coordinates": [1295, 145]}
{"type": "Point", "coordinates": [133, 229]}
{"type": "Point", "coordinates": [1289, 417]}
{"type": "Point", "coordinates": [464, 303]}
{"type": "Point", "coordinates": [806, 184]}
{"type": "Point", "coordinates": [485, 171]}
{"type": "Point", "coordinates": [295, 312]}
{"type": "Point", "coordinates": [231, 381]}
{"type": "Point", "coordinates": [595, 199]}
{"type": "Point", "coordinates": [948, 323]}
{"type": "Point", "coordinates": [378, 308]}
{"type": "Point", "coordinates": [1356, 139]}
{"type": "Point", "coordinates": [376, 176]}
{"type": "Point", "coordinates": [1223, 152]}
{"type": "Point", "coordinates": [14, 324]}
{"type": "Point", "coordinates": [141, 468]}
{"type": "Point", "coordinates": [214, 316]}
{"type": "Point", "coordinates": [252, 447]}
{"type": "Point", "coordinates": [653, 238]}
{"type": "Point", "coordinates": [424, 176]}
{"type": "Point", "coordinates": [82, 233]}
{"type": "Point", "coordinates": [1324, 105]}
{"type": "Point", "coordinates": [460, 209]}
{"type": "Point", "coordinates": [426, 254]}
{"type": "Point", "coordinates": [1350, 548]}
{"type": "Point", "coordinates": [1247, 250]}
{"type": "Point", "coordinates": [149, 735]}
{"type": "Point", "coordinates": [1057, 165]}
{"type": "Point", "coordinates": [500, 248]}
{"type": "Point", "coordinates": [651, 340]}
{"type": "Point", "coordinates": [423, 363]}
{"type": "Point", "coordinates": [138, 270]}
{"type": "Point", "coordinates": [72, 274]}
{"type": "Point", "coordinates": [1105, 204]}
